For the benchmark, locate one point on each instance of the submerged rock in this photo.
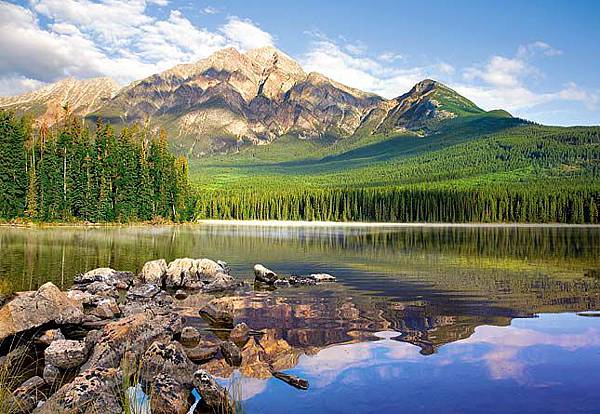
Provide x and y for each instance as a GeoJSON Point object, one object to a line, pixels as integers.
{"type": "Point", "coordinates": [34, 309]}
{"type": "Point", "coordinates": [66, 354]}
{"type": "Point", "coordinates": [218, 312]}
{"type": "Point", "coordinates": [206, 349]}
{"type": "Point", "coordinates": [240, 334]}
{"type": "Point", "coordinates": [264, 275]}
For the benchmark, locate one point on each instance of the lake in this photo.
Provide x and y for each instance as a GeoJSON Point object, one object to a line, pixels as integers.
{"type": "Point", "coordinates": [422, 319]}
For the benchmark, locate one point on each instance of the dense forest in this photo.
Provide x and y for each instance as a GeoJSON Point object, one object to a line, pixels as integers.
{"type": "Point", "coordinates": [67, 173]}
{"type": "Point", "coordinates": [73, 172]}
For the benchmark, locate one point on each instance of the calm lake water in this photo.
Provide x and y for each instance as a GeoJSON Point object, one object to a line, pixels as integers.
{"type": "Point", "coordinates": [422, 319]}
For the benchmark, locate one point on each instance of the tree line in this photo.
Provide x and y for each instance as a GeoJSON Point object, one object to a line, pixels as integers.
{"type": "Point", "coordinates": [396, 204]}
{"type": "Point", "coordinates": [68, 172]}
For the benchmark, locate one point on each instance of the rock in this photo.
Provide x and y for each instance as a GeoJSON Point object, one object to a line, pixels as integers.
{"type": "Point", "coordinates": [131, 334]}
{"type": "Point", "coordinates": [96, 390]}
{"type": "Point", "coordinates": [106, 275]}
{"type": "Point", "coordinates": [301, 281]}
{"type": "Point", "coordinates": [209, 269]}
{"type": "Point", "coordinates": [240, 334]}
{"type": "Point", "coordinates": [192, 273]}
{"type": "Point", "coordinates": [264, 275]}
{"type": "Point", "coordinates": [146, 291]}
{"type": "Point", "coordinates": [154, 272]}
{"type": "Point", "coordinates": [107, 309]}
{"type": "Point", "coordinates": [213, 395]}
{"type": "Point", "coordinates": [47, 337]}
{"type": "Point", "coordinates": [80, 296]}
{"type": "Point", "coordinates": [281, 283]}
{"type": "Point", "coordinates": [190, 337]}
{"type": "Point", "coordinates": [220, 283]}
{"type": "Point", "coordinates": [66, 354]}
{"type": "Point", "coordinates": [224, 266]}
{"type": "Point", "coordinates": [218, 313]}
{"type": "Point", "coordinates": [35, 309]}
{"type": "Point", "coordinates": [180, 294]}
{"type": "Point", "coordinates": [15, 359]}
{"type": "Point", "coordinates": [29, 394]}
{"type": "Point", "coordinates": [293, 380]}
{"type": "Point", "coordinates": [231, 353]}
{"type": "Point", "coordinates": [102, 289]}
{"type": "Point", "coordinates": [169, 359]}
{"type": "Point", "coordinates": [92, 338]}
{"type": "Point", "coordinates": [205, 350]}
{"type": "Point", "coordinates": [169, 396]}
{"type": "Point", "coordinates": [51, 374]}
{"type": "Point", "coordinates": [322, 277]}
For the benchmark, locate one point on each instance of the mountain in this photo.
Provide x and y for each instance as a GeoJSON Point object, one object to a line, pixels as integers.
{"type": "Point", "coordinates": [46, 104]}
{"type": "Point", "coordinates": [229, 99]}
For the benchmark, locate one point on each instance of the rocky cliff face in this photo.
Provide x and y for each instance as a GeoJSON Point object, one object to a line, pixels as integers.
{"type": "Point", "coordinates": [232, 98]}
{"type": "Point", "coordinates": [47, 104]}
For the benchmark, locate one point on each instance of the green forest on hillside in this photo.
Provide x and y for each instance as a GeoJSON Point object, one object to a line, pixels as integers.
{"type": "Point", "coordinates": [478, 168]}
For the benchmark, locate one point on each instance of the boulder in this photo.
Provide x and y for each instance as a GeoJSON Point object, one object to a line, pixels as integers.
{"type": "Point", "coordinates": [95, 390]}
{"type": "Point", "coordinates": [213, 395]}
{"type": "Point", "coordinates": [190, 337]}
{"type": "Point", "coordinates": [131, 334]}
{"type": "Point", "coordinates": [154, 272]}
{"type": "Point", "coordinates": [239, 334]}
{"type": "Point", "coordinates": [205, 350]}
{"type": "Point", "coordinates": [264, 275]}
{"type": "Point", "coordinates": [101, 289]}
{"type": "Point", "coordinates": [169, 396]}
{"type": "Point", "coordinates": [48, 336]}
{"type": "Point", "coordinates": [28, 395]}
{"type": "Point", "coordinates": [66, 354]}
{"type": "Point", "coordinates": [224, 266]}
{"type": "Point", "coordinates": [220, 283]}
{"type": "Point", "coordinates": [322, 277]}
{"type": "Point", "coordinates": [231, 353]}
{"type": "Point", "coordinates": [146, 291]}
{"type": "Point", "coordinates": [107, 309]}
{"type": "Point", "coordinates": [106, 275]}
{"type": "Point", "coordinates": [192, 273]}
{"type": "Point", "coordinates": [35, 309]}
{"type": "Point", "coordinates": [169, 359]}
{"type": "Point", "coordinates": [218, 312]}
{"type": "Point", "coordinates": [80, 296]}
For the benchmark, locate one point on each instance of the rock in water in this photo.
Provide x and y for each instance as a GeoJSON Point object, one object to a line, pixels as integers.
{"type": "Point", "coordinates": [190, 337]}
{"type": "Point", "coordinates": [213, 395]}
{"type": "Point", "coordinates": [225, 266]}
{"type": "Point", "coordinates": [106, 275]}
{"type": "Point", "coordinates": [35, 309]}
{"type": "Point", "coordinates": [231, 353]}
{"type": "Point", "coordinates": [240, 334]}
{"type": "Point", "coordinates": [206, 349]}
{"type": "Point", "coordinates": [147, 291]}
{"type": "Point", "coordinates": [322, 277]}
{"type": "Point", "coordinates": [66, 354]}
{"type": "Point", "coordinates": [264, 275]}
{"type": "Point", "coordinates": [169, 396]}
{"type": "Point", "coordinates": [218, 312]}
{"type": "Point", "coordinates": [293, 380]}
{"type": "Point", "coordinates": [154, 272]}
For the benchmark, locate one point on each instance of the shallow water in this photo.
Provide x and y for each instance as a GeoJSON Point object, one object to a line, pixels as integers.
{"type": "Point", "coordinates": [422, 319]}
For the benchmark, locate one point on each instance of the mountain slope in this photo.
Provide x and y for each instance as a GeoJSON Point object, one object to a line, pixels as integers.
{"type": "Point", "coordinates": [229, 99]}
{"type": "Point", "coordinates": [46, 104]}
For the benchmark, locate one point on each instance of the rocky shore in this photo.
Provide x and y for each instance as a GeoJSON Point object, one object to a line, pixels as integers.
{"type": "Point", "coordinates": [117, 340]}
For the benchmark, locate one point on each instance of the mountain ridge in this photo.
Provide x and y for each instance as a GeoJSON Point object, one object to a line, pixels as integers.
{"type": "Point", "coordinates": [229, 99]}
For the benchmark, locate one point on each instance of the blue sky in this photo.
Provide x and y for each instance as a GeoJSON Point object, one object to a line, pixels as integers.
{"type": "Point", "coordinates": [537, 59]}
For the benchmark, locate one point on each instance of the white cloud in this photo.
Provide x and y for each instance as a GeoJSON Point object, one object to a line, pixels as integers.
{"type": "Point", "coordinates": [210, 10]}
{"type": "Point", "coordinates": [390, 57]}
{"type": "Point", "coordinates": [245, 34]}
{"type": "Point", "coordinates": [117, 38]}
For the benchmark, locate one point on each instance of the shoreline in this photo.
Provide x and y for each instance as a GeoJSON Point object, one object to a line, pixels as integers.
{"type": "Point", "coordinates": [299, 223]}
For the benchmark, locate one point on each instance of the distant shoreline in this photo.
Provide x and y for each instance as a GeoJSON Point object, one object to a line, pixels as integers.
{"type": "Point", "coordinates": [293, 223]}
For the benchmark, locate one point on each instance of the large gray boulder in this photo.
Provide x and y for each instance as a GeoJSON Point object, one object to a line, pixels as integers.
{"type": "Point", "coordinates": [106, 275]}
{"type": "Point", "coordinates": [264, 275]}
{"type": "Point", "coordinates": [34, 309]}
{"type": "Point", "coordinates": [193, 273]}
